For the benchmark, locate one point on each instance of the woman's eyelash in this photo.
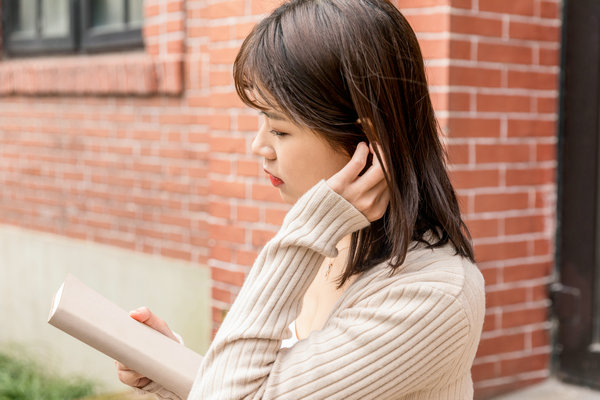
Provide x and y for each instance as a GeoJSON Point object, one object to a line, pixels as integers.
{"type": "Point", "coordinates": [278, 133]}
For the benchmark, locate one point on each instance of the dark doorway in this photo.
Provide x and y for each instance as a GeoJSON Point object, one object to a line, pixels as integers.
{"type": "Point", "coordinates": [577, 297]}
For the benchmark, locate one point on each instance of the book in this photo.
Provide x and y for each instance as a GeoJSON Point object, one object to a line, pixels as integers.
{"type": "Point", "coordinates": [93, 319]}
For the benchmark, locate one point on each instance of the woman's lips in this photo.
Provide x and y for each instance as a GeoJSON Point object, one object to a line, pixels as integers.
{"type": "Point", "coordinates": [274, 180]}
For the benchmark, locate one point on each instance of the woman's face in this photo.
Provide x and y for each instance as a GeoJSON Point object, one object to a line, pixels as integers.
{"type": "Point", "coordinates": [295, 158]}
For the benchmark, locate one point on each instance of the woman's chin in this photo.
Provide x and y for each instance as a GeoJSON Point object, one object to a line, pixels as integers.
{"type": "Point", "coordinates": [287, 198]}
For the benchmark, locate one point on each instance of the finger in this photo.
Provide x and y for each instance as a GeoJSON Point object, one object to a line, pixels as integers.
{"type": "Point", "coordinates": [130, 377]}
{"type": "Point", "coordinates": [373, 176]}
{"type": "Point", "coordinates": [356, 164]}
{"type": "Point", "coordinates": [145, 316]}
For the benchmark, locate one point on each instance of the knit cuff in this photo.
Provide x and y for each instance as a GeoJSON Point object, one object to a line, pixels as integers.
{"type": "Point", "coordinates": [320, 219]}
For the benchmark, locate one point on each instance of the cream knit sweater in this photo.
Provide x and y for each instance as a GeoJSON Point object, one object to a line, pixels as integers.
{"type": "Point", "coordinates": [411, 335]}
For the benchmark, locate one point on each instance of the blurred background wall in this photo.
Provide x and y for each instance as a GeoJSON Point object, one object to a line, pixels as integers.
{"type": "Point", "coordinates": [125, 157]}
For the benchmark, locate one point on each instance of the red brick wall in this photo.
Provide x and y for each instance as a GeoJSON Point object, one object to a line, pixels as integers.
{"type": "Point", "coordinates": [501, 124]}
{"type": "Point", "coordinates": [150, 150]}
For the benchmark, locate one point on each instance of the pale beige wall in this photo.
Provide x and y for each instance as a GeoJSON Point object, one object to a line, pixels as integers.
{"type": "Point", "coordinates": [33, 265]}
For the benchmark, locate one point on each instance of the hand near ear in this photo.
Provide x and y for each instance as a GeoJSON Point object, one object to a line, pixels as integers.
{"type": "Point", "coordinates": [368, 192]}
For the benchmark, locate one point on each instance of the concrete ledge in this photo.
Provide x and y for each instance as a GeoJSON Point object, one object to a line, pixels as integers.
{"type": "Point", "coordinates": [34, 264]}
{"type": "Point", "coordinates": [552, 389]}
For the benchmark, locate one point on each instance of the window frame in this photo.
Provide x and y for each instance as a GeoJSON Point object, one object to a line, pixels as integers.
{"type": "Point", "coordinates": [81, 38]}
{"type": "Point", "coordinates": [37, 45]}
{"type": "Point", "coordinates": [92, 41]}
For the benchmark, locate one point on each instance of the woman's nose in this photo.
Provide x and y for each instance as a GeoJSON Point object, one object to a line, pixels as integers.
{"type": "Point", "coordinates": [261, 146]}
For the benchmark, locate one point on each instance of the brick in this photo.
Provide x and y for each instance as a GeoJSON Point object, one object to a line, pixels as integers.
{"type": "Point", "coordinates": [421, 3]}
{"type": "Point", "coordinates": [274, 216]}
{"type": "Point", "coordinates": [219, 209]}
{"type": "Point", "coordinates": [474, 127]}
{"type": "Point", "coordinates": [501, 202]}
{"type": "Point", "coordinates": [524, 317]}
{"type": "Point", "coordinates": [248, 168]}
{"type": "Point", "coordinates": [261, 237]}
{"type": "Point", "coordinates": [549, 9]}
{"type": "Point", "coordinates": [225, 100]}
{"type": "Point", "coordinates": [241, 31]}
{"type": "Point", "coordinates": [534, 32]}
{"type": "Point", "coordinates": [491, 276]}
{"type": "Point", "coordinates": [502, 153]}
{"type": "Point", "coordinates": [246, 257]}
{"type": "Point", "coordinates": [501, 344]}
{"type": "Point", "coordinates": [457, 101]}
{"type": "Point", "coordinates": [175, 26]}
{"type": "Point", "coordinates": [540, 338]}
{"type": "Point", "coordinates": [481, 228]}
{"type": "Point", "coordinates": [247, 213]}
{"type": "Point", "coordinates": [525, 272]}
{"type": "Point", "coordinates": [542, 247]}
{"type": "Point", "coordinates": [549, 57]}
{"type": "Point", "coordinates": [458, 153]}
{"type": "Point", "coordinates": [176, 253]}
{"type": "Point", "coordinates": [520, 7]}
{"type": "Point", "coordinates": [467, 179]}
{"type": "Point", "coordinates": [227, 144]}
{"type": "Point", "coordinates": [530, 363]}
{"type": "Point", "coordinates": [437, 76]}
{"type": "Point", "coordinates": [475, 77]}
{"type": "Point", "coordinates": [531, 128]}
{"type": "Point", "coordinates": [218, 166]}
{"type": "Point", "coordinates": [483, 371]}
{"type": "Point", "coordinates": [227, 188]}
{"type": "Point", "coordinates": [227, 233]}
{"type": "Point", "coordinates": [218, 33]}
{"type": "Point", "coordinates": [226, 276]}
{"type": "Point", "coordinates": [500, 251]}
{"type": "Point", "coordinates": [430, 22]}
{"type": "Point", "coordinates": [498, 298]}
{"type": "Point", "coordinates": [547, 105]}
{"type": "Point", "coordinates": [265, 193]}
{"type": "Point", "coordinates": [224, 55]}
{"type": "Point", "coordinates": [220, 78]}
{"type": "Point", "coordinates": [221, 295]}
{"type": "Point", "coordinates": [248, 123]}
{"type": "Point", "coordinates": [263, 6]}
{"type": "Point", "coordinates": [524, 224]}
{"type": "Point", "coordinates": [532, 80]}
{"type": "Point", "coordinates": [504, 53]}
{"type": "Point", "coordinates": [475, 25]}
{"type": "Point", "coordinates": [221, 253]}
{"type": "Point", "coordinates": [489, 322]}
{"type": "Point", "coordinates": [545, 152]}
{"type": "Point", "coordinates": [530, 176]}
{"type": "Point", "coordinates": [435, 48]}
{"type": "Point", "coordinates": [504, 103]}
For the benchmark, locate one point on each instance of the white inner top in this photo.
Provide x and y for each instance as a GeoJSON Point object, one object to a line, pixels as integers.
{"type": "Point", "coordinates": [294, 339]}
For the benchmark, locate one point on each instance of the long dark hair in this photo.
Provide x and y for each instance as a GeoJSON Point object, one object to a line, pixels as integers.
{"type": "Point", "coordinates": [352, 70]}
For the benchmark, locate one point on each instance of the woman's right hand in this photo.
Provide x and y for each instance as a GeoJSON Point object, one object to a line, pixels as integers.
{"type": "Point", "coordinates": [145, 316]}
{"type": "Point", "coordinates": [368, 192]}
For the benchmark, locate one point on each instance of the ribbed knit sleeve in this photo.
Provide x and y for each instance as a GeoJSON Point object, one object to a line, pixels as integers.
{"type": "Point", "coordinates": [390, 343]}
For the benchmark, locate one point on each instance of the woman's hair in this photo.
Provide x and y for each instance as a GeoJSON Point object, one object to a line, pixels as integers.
{"type": "Point", "coordinates": [352, 71]}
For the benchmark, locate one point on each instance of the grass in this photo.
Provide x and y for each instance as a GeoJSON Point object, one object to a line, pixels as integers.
{"type": "Point", "coordinates": [24, 379]}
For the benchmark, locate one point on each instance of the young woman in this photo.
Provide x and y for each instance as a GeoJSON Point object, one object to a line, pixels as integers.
{"type": "Point", "coordinates": [369, 290]}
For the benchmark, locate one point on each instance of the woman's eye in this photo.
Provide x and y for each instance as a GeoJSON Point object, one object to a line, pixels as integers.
{"type": "Point", "coordinates": [278, 133]}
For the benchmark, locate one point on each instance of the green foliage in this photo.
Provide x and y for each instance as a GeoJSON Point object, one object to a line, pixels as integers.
{"type": "Point", "coordinates": [22, 379]}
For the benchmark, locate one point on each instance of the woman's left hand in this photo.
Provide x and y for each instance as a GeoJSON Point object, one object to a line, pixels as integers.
{"type": "Point", "coordinates": [369, 192]}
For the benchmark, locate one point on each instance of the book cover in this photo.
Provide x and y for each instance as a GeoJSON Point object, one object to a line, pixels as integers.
{"type": "Point", "coordinates": [93, 319]}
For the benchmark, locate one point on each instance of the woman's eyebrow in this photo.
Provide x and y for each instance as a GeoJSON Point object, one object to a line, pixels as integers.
{"type": "Point", "coordinates": [274, 116]}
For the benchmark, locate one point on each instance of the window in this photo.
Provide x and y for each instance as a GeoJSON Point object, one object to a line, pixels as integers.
{"type": "Point", "coordinates": [33, 27]}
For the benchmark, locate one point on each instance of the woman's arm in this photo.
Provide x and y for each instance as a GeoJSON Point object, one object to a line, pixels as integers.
{"type": "Point", "coordinates": [394, 341]}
